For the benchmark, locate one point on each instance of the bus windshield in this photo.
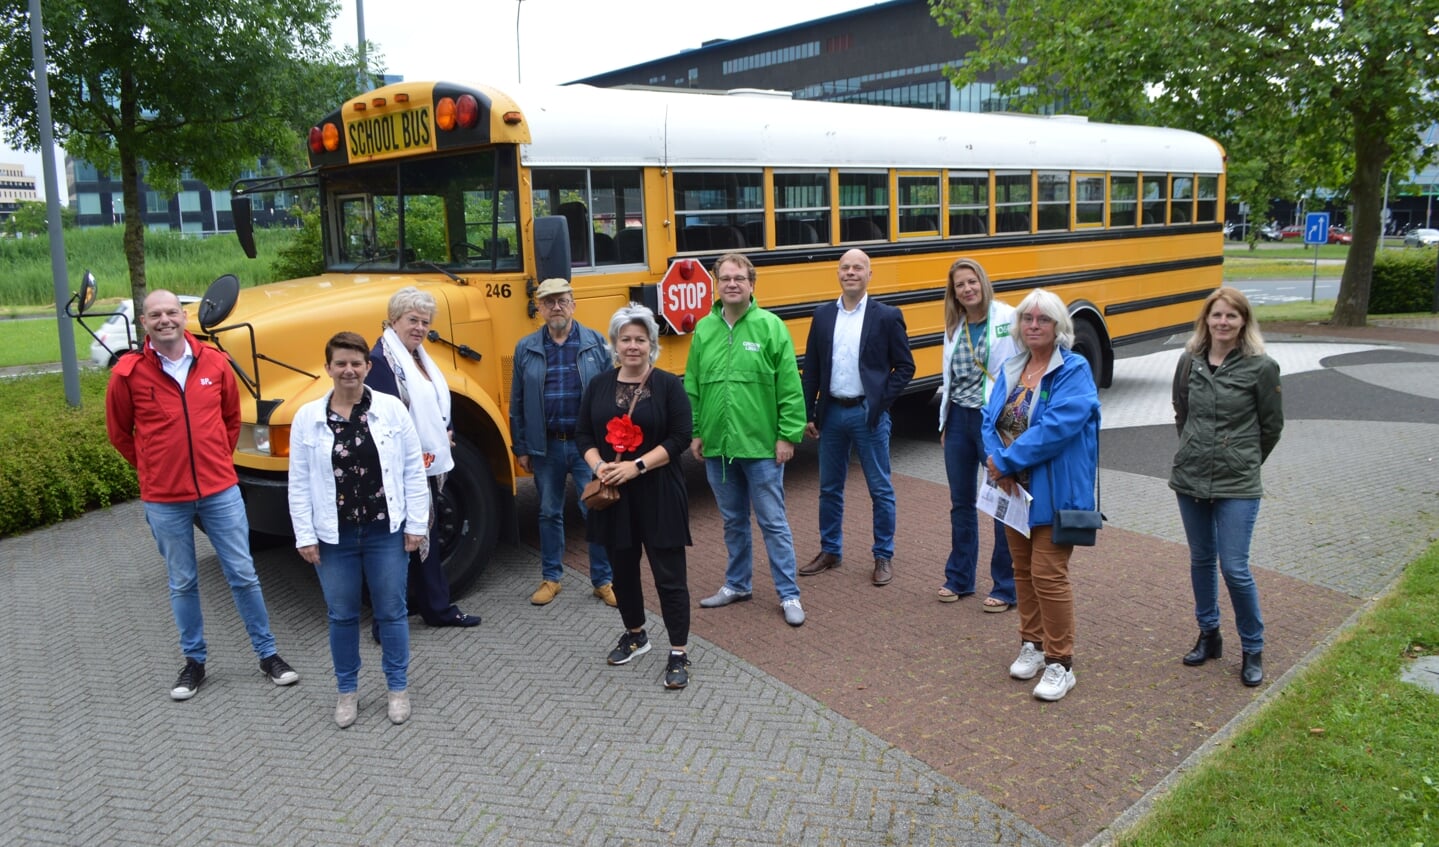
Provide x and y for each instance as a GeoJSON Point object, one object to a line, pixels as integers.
{"type": "Point", "coordinates": [458, 212]}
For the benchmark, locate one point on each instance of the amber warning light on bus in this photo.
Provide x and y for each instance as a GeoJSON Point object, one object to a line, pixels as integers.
{"type": "Point", "coordinates": [324, 139]}
{"type": "Point", "coordinates": [452, 112]}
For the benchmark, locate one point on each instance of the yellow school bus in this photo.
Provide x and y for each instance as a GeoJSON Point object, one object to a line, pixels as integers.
{"type": "Point", "coordinates": [476, 194]}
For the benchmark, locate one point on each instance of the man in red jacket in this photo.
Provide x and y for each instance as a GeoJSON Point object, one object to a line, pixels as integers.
{"type": "Point", "coordinates": [173, 411]}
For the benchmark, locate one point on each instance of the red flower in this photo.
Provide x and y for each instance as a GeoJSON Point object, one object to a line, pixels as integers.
{"type": "Point", "coordinates": [622, 434]}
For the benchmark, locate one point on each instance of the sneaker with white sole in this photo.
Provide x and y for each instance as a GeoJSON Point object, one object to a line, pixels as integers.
{"type": "Point", "coordinates": [189, 680]}
{"type": "Point", "coordinates": [1029, 663]}
{"type": "Point", "coordinates": [724, 597]}
{"type": "Point", "coordinates": [631, 644]}
{"type": "Point", "coordinates": [793, 611]}
{"type": "Point", "coordinates": [1055, 683]}
{"type": "Point", "coordinates": [677, 670]}
{"type": "Point", "coordinates": [278, 671]}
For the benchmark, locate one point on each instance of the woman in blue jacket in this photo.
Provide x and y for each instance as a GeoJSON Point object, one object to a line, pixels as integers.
{"type": "Point", "coordinates": [1041, 431]}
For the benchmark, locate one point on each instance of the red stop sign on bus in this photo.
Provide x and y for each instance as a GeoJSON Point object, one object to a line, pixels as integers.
{"type": "Point", "coordinates": [686, 295]}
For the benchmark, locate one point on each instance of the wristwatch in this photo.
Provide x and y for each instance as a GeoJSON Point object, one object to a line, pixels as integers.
{"type": "Point", "coordinates": [640, 465]}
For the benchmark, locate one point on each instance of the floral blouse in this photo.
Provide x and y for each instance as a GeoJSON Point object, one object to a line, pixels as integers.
{"type": "Point", "coordinates": [1014, 420]}
{"type": "Point", "coordinates": [359, 487]}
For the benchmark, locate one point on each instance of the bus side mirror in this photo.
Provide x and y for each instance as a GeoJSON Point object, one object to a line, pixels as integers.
{"type": "Point", "coordinates": [219, 301]}
{"type": "Point", "coordinates": [87, 292]}
{"type": "Point", "coordinates": [552, 248]}
{"type": "Point", "coordinates": [244, 224]}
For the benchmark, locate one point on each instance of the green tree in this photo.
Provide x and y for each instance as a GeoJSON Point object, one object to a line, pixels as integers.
{"type": "Point", "coordinates": [199, 87]}
{"type": "Point", "coordinates": [27, 219]}
{"type": "Point", "coordinates": [1328, 93]}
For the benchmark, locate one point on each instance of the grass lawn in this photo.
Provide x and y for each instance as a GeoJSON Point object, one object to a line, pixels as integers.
{"type": "Point", "coordinates": [1345, 754]}
{"type": "Point", "coordinates": [37, 341]}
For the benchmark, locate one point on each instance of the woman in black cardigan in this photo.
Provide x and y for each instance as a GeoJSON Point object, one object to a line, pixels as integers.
{"type": "Point", "coordinates": [634, 423]}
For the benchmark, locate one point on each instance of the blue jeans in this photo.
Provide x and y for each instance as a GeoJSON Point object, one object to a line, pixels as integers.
{"type": "Point", "coordinates": [843, 428]}
{"type": "Point", "coordinates": [1222, 529]}
{"type": "Point", "coordinates": [738, 484]}
{"type": "Point", "coordinates": [963, 454]}
{"type": "Point", "coordinates": [561, 459]}
{"type": "Point", "coordinates": [366, 554]}
{"type": "Point", "coordinates": [223, 517]}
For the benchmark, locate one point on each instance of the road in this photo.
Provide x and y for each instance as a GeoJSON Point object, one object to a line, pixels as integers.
{"type": "Point", "coordinates": [1265, 292]}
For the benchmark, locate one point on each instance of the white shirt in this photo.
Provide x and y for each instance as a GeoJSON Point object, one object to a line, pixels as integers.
{"type": "Point", "coordinates": [178, 369]}
{"type": "Point", "coordinates": [844, 354]}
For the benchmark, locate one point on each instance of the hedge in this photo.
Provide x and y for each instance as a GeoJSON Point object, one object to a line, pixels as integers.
{"type": "Point", "coordinates": [1403, 282]}
{"type": "Point", "coordinates": [55, 461]}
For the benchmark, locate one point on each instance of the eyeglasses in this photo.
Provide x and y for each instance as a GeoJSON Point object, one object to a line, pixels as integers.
{"type": "Point", "coordinates": [732, 279]}
{"type": "Point", "coordinates": [557, 303]}
{"type": "Point", "coordinates": [1041, 320]}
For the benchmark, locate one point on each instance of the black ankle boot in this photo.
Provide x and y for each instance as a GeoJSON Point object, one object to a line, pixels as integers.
{"type": "Point", "coordinates": [1253, 671]}
{"type": "Point", "coordinates": [1209, 646]}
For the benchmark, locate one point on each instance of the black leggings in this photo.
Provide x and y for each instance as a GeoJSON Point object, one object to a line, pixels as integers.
{"type": "Point", "coordinates": [667, 564]}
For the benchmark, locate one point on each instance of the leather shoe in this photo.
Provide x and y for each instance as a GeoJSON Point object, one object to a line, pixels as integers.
{"type": "Point", "coordinates": [820, 563]}
{"type": "Point", "coordinates": [455, 618]}
{"type": "Point", "coordinates": [724, 597]}
{"type": "Point", "coordinates": [883, 573]}
{"type": "Point", "coordinates": [1253, 671]}
{"type": "Point", "coordinates": [1209, 646]}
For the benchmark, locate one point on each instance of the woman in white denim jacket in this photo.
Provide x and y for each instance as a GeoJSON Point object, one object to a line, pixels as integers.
{"type": "Point", "coordinates": [359, 505]}
{"type": "Point", "coordinates": [977, 343]}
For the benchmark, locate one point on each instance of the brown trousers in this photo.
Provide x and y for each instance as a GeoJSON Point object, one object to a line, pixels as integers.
{"type": "Point", "coordinates": [1046, 598]}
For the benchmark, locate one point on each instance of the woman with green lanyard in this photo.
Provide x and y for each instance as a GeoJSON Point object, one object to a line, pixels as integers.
{"type": "Point", "coordinates": [976, 345]}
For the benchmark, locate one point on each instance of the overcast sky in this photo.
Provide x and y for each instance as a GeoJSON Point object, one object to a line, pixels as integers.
{"type": "Point", "coordinates": [559, 40]}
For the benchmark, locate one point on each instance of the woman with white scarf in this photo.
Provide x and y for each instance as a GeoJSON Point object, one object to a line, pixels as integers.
{"type": "Point", "coordinates": [400, 366]}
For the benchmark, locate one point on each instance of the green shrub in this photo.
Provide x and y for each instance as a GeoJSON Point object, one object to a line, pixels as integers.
{"type": "Point", "coordinates": [55, 461]}
{"type": "Point", "coordinates": [1403, 282]}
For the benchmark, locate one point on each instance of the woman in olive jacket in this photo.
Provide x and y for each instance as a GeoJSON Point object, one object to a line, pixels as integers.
{"type": "Point", "coordinates": [1229, 411]}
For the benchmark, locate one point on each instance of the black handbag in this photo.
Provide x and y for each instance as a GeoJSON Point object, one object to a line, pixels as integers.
{"type": "Point", "coordinates": [1079, 527]}
{"type": "Point", "coordinates": [1076, 527]}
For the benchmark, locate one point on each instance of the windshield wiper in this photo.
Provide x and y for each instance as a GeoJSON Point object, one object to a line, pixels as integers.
{"type": "Point", "coordinates": [426, 263]}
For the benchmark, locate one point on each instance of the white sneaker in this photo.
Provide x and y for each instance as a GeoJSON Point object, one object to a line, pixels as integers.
{"type": "Point", "coordinates": [1056, 682]}
{"type": "Point", "coordinates": [793, 611]}
{"type": "Point", "coordinates": [1029, 662]}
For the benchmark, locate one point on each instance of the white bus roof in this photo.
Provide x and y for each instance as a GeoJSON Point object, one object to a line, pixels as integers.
{"type": "Point", "coordinates": [583, 126]}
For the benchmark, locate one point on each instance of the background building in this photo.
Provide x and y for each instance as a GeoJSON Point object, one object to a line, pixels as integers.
{"type": "Point", "coordinates": [16, 187]}
{"type": "Point", "coordinates": [890, 54]}
{"type": "Point", "coordinates": [98, 198]}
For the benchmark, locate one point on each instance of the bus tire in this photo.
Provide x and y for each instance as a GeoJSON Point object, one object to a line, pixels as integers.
{"type": "Point", "coordinates": [467, 518]}
{"type": "Point", "coordinates": [1087, 344]}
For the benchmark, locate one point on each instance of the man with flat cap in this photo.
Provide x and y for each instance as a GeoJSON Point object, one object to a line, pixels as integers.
{"type": "Point", "coordinates": [552, 367]}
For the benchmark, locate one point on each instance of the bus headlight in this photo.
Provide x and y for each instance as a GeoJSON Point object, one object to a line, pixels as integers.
{"type": "Point", "coordinates": [260, 434]}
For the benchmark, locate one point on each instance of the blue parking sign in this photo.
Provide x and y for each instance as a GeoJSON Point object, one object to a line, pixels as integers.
{"type": "Point", "coordinates": [1316, 228]}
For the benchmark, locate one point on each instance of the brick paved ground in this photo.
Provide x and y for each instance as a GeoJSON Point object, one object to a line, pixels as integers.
{"type": "Point", "coordinates": [887, 719]}
{"type": "Point", "coordinates": [932, 678]}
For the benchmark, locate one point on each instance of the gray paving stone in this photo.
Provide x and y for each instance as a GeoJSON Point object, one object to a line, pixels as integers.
{"type": "Point", "coordinates": [521, 733]}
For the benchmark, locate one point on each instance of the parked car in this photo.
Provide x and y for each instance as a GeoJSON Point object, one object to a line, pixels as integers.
{"type": "Point", "coordinates": [1293, 232]}
{"type": "Point", "coordinates": [111, 339]}
{"type": "Point", "coordinates": [1270, 232]}
{"type": "Point", "coordinates": [1421, 237]}
{"type": "Point", "coordinates": [1339, 235]}
{"type": "Point", "coordinates": [1237, 231]}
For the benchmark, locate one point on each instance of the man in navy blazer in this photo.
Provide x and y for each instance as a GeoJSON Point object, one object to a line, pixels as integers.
{"type": "Point", "coordinates": [856, 363]}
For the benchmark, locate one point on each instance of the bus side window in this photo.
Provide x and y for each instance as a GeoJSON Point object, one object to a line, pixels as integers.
{"type": "Point", "coordinates": [630, 245]}
{"type": "Point", "coordinates": [616, 206]}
